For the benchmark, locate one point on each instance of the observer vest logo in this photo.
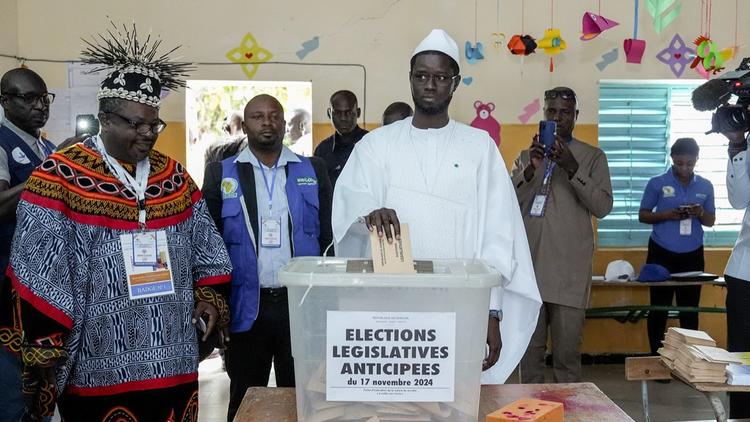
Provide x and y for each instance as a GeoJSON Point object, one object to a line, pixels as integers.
{"type": "Point", "coordinates": [229, 187]}
{"type": "Point", "coordinates": [307, 181]}
{"type": "Point", "coordinates": [19, 156]}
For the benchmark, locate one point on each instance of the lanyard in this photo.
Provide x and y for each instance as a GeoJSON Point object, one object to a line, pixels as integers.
{"type": "Point", "coordinates": [548, 169]}
{"type": "Point", "coordinates": [271, 188]}
{"type": "Point", "coordinates": [43, 147]}
{"type": "Point", "coordinates": [135, 185]}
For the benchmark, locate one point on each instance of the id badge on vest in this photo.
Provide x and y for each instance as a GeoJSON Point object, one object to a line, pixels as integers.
{"type": "Point", "coordinates": [147, 265]}
{"type": "Point", "coordinates": [686, 227]}
{"type": "Point", "coordinates": [270, 232]}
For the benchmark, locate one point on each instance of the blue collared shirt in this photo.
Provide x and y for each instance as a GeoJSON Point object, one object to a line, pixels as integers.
{"type": "Point", "coordinates": [665, 192]}
{"type": "Point", "coordinates": [270, 260]}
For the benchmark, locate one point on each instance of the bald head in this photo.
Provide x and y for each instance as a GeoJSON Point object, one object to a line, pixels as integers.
{"type": "Point", "coordinates": [20, 76]}
{"type": "Point", "coordinates": [264, 123]}
{"type": "Point", "coordinates": [344, 95]}
{"type": "Point", "coordinates": [24, 101]}
{"type": "Point", "coordinates": [396, 111]}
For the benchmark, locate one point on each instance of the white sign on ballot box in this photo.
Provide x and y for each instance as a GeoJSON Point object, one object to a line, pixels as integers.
{"type": "Point", "coordinates": [390, 356]}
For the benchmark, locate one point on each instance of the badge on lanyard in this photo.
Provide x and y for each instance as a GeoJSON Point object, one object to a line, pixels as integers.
{"type": "Point", "coordinates": [147, 265]}
{"type": "Point", "coordinates": [686, 227]}
{"type": "Point", "coordinates": [270, 226]}
{"type": "Point", "coordinates": [540, 199]}
{"type": "Point", "coordinates": [537, 207]}
{"type": "Point", "coordinates": [270, 232]}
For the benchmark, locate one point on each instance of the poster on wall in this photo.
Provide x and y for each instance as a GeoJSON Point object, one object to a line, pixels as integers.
{"type": "Point", "coordinates": [390, 356]}
{"type": "Point", "coordinates": [214, 113]}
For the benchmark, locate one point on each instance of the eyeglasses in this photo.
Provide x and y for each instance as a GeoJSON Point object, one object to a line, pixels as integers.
{"type": "Point", "coordinates": [423, 78]}
{"type": "Point", "coordinates": [565, 94]}
{"type": "Point", "coordinates": [30, 99]}
{"type": "Point", "coordinates": [143, 128]}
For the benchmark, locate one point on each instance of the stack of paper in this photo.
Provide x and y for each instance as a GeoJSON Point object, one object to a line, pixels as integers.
{"type": "Point", "coordinates": [703, 363]}
{"type": "Point", "coordinates": [675, 338]}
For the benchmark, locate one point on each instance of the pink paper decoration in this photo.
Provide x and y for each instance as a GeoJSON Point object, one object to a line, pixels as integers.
{"type": "Point", "coordinates": [594, 24]}
{"type": "Point", "coordinates": [634, 50]}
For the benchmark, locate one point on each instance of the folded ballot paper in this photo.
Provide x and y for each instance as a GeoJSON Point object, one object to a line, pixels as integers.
{"type": "Point", "coordinates": [392, 257]}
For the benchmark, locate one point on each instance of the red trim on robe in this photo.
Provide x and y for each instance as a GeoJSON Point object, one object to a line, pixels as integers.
{"type": "Point", "coordinates": [104, 221]}
{"type": "Point", "coordinates": [127, 387]}
{"type": "Point", "coordinates": [214, 280]}
{"type": "Point", "coordinates": [37, 302]}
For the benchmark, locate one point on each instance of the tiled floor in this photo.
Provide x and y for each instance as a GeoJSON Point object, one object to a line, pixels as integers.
{"type": "Point", "coordinates": [669, 402]}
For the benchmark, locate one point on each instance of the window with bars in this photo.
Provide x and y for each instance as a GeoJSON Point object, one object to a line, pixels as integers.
{"type": "Point", "coordinates": [638, 122]}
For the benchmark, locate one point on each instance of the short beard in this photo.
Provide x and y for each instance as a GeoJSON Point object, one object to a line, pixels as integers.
{"type": "Point", "coordinates": [432, 110]}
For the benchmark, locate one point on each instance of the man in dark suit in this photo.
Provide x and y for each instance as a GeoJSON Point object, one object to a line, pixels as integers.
{"type": "Point", "coordinates": [270, 205]}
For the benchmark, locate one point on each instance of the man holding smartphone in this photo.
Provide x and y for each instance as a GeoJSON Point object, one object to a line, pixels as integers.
{"type": "Point", "coordinates": [677, 203]}
{"type": "Point", "coordinates": [559, 188]}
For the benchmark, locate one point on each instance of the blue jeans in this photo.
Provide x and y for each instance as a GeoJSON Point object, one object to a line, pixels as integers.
{"type": "Point", "coordinates": [11, 397]}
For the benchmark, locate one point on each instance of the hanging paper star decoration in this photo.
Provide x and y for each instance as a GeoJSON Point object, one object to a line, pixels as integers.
{"type": "Point", "coordinates": [677, 55]}
{"type": "Point", "coordinates": [249, 54]}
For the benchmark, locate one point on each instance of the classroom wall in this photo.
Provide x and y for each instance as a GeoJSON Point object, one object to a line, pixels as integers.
{"type": "Point", "coordinates": [376, 38]}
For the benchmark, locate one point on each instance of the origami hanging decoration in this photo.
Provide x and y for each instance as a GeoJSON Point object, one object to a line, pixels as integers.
{"type": "Point", "coordinates": [593, 25]}
{"type": "Point", "coordinates": [633, 47]}
{"type": "Point", "coordinates": [522, 45]}
{"type": "Point", "coordinates": [664, 12]}
{"type": "Point", "coordinates": [677, 55]}
{"type": "Point", "coordinates": [708, 56]}
{"type": "Point", "coordinates": [498, 38]}
{"type": "Point", "coordinates": [552, 44]}
{"type": "Point", "coordinates": [474, 53]}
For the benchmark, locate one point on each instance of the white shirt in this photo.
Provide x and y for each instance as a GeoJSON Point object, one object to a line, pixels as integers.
{"type": "Point", "coordinates": [738, 187]}
{"type": "Point", "coordinates": [451, 186]}
{"type": "Point", "coordinates": [270, 260]}
{"type": "Point", "coordinates": [303, 146]}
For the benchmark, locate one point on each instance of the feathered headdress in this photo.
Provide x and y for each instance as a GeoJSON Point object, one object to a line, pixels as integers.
{"type": "Point", "coordinates": [135, 70]}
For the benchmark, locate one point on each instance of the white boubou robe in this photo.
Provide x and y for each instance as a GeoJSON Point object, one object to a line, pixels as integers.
{"type": "Point", "coordinates": [452, 188]}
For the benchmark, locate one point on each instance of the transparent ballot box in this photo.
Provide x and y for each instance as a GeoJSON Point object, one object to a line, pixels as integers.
{"type": "Point", "coordinates": [388, 347]}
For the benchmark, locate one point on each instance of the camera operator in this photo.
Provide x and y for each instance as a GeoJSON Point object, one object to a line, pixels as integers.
{"type": "Point", "coordinates": [737, 273]}
{"type": "Point", "coordinates": [733, 121]}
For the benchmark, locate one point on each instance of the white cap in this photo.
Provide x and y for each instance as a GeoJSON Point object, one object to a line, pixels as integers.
{"type": "Point", "coordinates": [619, 271]}
{"type": "Point", "coordinates": [439, 40]}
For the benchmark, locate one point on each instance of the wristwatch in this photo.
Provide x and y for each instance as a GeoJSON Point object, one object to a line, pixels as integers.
{"type": "Point", "coordinates": [497, 314]}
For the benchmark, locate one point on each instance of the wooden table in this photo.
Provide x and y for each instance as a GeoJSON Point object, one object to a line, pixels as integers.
{"type": "Point", "coordinates": [652, 368]}
{"type": "Point", "coordinates": [583, 402]}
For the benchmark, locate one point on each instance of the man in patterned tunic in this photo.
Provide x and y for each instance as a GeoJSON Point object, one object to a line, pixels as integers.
{"type": "Point", "coordinates": [116, 258]}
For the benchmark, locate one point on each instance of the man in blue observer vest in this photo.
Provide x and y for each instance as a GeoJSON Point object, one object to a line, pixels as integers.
{"type": "Point", "coordinates": [270, 205]}
{"type": "Point", "coordinates": [25, 102]}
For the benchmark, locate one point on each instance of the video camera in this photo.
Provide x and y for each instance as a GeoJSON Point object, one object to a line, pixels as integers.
{"type": "Point", "coordinates": [716, 93]}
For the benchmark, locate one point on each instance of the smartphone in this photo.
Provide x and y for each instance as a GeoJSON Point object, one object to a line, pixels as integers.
{"type": "Point", "coordinates": [547, 129]}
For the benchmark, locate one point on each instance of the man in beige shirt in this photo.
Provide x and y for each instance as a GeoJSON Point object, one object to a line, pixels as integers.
{"type": "Point", "coordinates": [558, 194]}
